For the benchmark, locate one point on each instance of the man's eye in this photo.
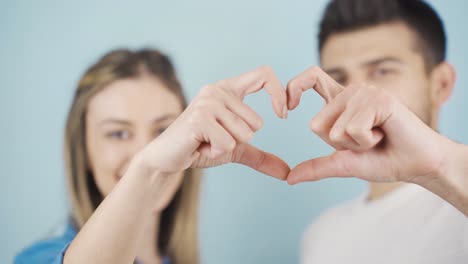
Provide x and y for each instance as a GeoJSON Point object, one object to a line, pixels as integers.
{"type": "Point", "coordinates": [159, 131]}
{"type": "Point", "coordinates": [381, 72]}
{"type": "Point", "coordinates": [119, 135]}
{"type": "Point", "coordinates": [340, 79]}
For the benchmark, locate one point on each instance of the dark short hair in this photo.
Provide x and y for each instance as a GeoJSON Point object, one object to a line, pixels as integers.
{"type": "Point", "coordinates": [348, 15]}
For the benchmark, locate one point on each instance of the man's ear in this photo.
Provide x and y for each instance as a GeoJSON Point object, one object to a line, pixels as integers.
{"type": "Point", "coordinates": [442, 82]}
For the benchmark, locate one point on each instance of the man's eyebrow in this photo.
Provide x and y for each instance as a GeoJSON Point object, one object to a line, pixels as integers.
{"type": "Point", "coordinates": [332, 71]}
{"type": "Point", "coordinates": [378, 61]}
{"type": "Point", "coordinates": [373, 62]}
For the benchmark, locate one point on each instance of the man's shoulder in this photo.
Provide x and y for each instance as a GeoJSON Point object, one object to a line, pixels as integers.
{"type": "Point", "coordinates": [331, 217]}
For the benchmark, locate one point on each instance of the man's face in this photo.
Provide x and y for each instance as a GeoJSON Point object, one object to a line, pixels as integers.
{"type": "Point", "coordinates": [385, 56]}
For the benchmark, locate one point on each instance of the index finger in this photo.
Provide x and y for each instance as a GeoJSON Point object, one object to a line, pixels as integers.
{"type": "Point", "coordinates": [253, 81]}
{"type": "Point", "coordinates": [315, 78]}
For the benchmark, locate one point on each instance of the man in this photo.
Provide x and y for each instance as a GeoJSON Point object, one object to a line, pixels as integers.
{"type": "Point", "coordinates": [379, 50]}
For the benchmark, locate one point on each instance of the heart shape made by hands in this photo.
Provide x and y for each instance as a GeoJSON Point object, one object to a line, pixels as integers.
{"type": "Point", "coordinates": [354, 122]}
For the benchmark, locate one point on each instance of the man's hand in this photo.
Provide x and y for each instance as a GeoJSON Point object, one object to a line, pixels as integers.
{"type": "Point", "coordinates": [375, 136]}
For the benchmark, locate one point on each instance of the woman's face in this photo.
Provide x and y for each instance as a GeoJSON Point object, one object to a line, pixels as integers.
{"type": "Point", "coordinates": [121, 120]}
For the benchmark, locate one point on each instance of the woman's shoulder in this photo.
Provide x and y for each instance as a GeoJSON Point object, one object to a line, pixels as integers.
{"type": "Point", "coordinates": [50, 250]}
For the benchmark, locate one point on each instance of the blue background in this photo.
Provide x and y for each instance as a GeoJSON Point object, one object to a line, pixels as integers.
{"type": "Point", "coordinates": [245, 217]}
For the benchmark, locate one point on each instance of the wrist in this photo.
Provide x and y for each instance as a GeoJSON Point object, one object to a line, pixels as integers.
{"type": "Point", "coordinates": [142, 167]}
{"type": "Point", "coordinates": [453, 166]}
{"type": "Point", "coordinates": [456, 176]}
{"type": "Point", "coordinates": [450, 181]}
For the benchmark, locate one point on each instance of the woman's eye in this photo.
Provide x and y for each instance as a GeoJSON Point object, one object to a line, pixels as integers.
{"type": "Point", "coordinates": [119, 135]}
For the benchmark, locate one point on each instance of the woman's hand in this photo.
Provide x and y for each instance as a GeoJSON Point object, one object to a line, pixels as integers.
{"type": "Point", "coordinates": [216, 127]}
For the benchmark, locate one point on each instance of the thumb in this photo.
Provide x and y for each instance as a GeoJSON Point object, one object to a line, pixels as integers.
{"type": "Point", "coordinates": [262, 161]}
{"type": "Point", "coordinates": [337, 164]}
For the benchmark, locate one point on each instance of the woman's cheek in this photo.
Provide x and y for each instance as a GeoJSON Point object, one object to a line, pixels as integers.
{"type": "Point", "coordinates": [109, 169]}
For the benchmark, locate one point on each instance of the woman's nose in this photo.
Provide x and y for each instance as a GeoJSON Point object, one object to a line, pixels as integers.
{"type": "Point", "coordinates": [140, 143]}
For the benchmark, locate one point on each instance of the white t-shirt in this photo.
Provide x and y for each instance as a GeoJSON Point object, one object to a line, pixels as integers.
{"type": "Point", "coordinates": [407, 225]}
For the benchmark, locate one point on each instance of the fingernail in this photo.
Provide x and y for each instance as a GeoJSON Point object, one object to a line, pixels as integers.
{"type": "Point", "coordinates": [285, 112]}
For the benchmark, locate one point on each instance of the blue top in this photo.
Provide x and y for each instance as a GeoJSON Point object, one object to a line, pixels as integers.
{"type": "Point", "coordinates": [51, 251]}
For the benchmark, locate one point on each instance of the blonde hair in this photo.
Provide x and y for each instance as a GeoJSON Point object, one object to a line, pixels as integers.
{"type": "Point", "coordinates": [178, 236]}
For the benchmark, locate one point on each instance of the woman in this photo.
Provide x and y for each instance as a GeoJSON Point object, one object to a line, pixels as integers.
{"type": "Point", "coordinates": [131, 152]}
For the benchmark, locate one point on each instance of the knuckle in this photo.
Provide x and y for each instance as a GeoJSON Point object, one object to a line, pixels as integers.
{"type": "Point", "coordinates": [208, 90]}
{"type": "Point", "coordinates": [216, 153]}
{"type": "Point", "coordinates": [206, 103]}
{"type": "Point", "coordinates": [198, 116]}
{"type": "Point", "coordinates": [258, 123]}
{"type": "Point", "coordinates": [266, 69]}
{"type": "Point", "coordinates": [230, 145]}
{"type": "Point", "coordinates": [336, 136]}
{"type": "Point", "coordinates": [246, 137]}
{"type": "Point", "coordinates": [260, 160]}
{"type": "Point", "coordinates": [294, 83]}
{"type": "Point", "coordinates": [354, 130]}
{"type": "Point", "coordinates": [316, 70]}
{"type": "Point", "coordinates": [315, 125]}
